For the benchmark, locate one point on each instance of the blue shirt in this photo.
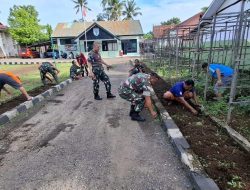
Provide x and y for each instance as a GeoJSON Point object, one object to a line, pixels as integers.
{"type": "Point", "coordinates": [225, 70]}
{"type": "Point", "coordinates": [178, 89]}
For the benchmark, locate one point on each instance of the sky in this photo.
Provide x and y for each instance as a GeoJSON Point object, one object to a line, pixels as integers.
{"type": "Point", "coordinates": [153, 11]}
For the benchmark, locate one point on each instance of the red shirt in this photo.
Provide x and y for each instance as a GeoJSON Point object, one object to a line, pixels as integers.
{"type": "Point", "coordinates": [82, 60]}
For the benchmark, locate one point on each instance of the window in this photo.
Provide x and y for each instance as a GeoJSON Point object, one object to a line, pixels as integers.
{"type": "Point", "coordinates": [104, 46]}
{"type": "Point", "coordinates": [67, 41]}
{"type": "Point", "coordinates": [132, 46]}
{"type": "Point", "coordinates": [89, 46]}
{"type": "Point", "coordinates": [110, 45]}
{"type": "Point", "coordinates": [129, 46]}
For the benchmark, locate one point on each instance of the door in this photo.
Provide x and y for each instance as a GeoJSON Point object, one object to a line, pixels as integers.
{"type": "Point", "coordinates": [125, 46]}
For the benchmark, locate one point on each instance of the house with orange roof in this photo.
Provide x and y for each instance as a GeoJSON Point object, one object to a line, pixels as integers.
{"type": "Point", "coordinates": [160, 30]}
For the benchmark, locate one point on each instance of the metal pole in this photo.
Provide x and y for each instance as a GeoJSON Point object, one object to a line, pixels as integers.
{"type": "Point", "coordinates": [189, 48]}
{"type": "Point", "coordinates": [224, 45]}
{"type": "Point", "coordinates": [86, 46]}
{"type": "Point", "coordinates": [53, 52]}
{"type": "Point", "coordinates": [176, 53]}
{"type": "Point", "coordinates": [210, 56]}
{"type": "Point", "coordinates": [196, 60]}
{"type": "Point", "coordinates": [237, 61]}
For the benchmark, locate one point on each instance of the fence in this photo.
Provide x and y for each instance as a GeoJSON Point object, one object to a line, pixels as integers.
{"type": "Point", "coordinates": [223, 39]}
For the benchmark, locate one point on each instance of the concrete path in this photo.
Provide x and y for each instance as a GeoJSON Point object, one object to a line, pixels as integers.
{"type": "Point", "coordinates": [39, 60]}
{"type": "Point", "coordinates": [74, 142]}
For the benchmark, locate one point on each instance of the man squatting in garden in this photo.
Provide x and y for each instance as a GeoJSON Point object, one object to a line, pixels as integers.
{"type": "Point", "coordinates": [48, 68]}
{"type": "Point", "coordinates": [75, 71]}
{"type": "Point", "coordinates": [14, 81]}
{"type": "Point", "coordinates": [97, 72]}
{"type": "Point", "coordinates": [181, 92]}
{"type": "Point", "coordinates": [138, 68]}
{"type": "Point", "coordinates": [136, 89]}
{"type": "Point", "coordinates": [223, 74]}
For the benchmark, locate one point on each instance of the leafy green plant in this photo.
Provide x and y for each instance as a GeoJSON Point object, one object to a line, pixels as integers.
{"type": "Point", "coordinates": [235, 182]}
{"type": "Point", "coordinates": [216, 108]}
{"type": "Point", "coordinates": [224, 165]}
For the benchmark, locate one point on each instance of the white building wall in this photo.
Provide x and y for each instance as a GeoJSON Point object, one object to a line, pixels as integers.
{"type": "Point", "coordinates": [138, 38]}
{"type": "Point", "coordinates": [8, 45]}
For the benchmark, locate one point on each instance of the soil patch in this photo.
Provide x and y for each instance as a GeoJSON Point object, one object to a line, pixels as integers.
{"type": "Point", "coordinates": [241, 123]}
{"type": "Point", "coordinates": [222, 158]}
{"type": "Point", "coordinates": [20, 99]}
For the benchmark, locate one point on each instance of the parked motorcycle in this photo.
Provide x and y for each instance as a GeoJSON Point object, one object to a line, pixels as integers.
{"type": "Point", "coordinates": [63, 55]}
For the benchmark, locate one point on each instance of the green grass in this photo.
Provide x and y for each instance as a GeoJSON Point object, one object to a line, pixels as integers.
{"type": "Point", "coordinates": [32, 79]}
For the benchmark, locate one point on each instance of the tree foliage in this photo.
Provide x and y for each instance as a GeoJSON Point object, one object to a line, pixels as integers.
{"type": "Point", "coordinates": [115, 9]}
{"type": "Point", "coordinates": [80, 5]}
{"type": "Point", "coordinates": [46, 31]}
{"type": "Point", "coordinates": [131, 10]}
{"type": "Point", "coordinates": [148, 36]}
{"type": "Point", "coordinates": [204, 9]}
{"type": "Point", "coordinates": [101, 17]}
{"type": "Point", "coordinates": [174, 20]}
{"type": "Point", "coordinates": [24, 25]}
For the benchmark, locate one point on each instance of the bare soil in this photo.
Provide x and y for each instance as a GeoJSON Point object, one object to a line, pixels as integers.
{"type": "Point", "coordinates": [220, 156]}
{"type": "Point", "coordinates": [241, 123]}
{"type": "Point", "coordinates": [20, 99]}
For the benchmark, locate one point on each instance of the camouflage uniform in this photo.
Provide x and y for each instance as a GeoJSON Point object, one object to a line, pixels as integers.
{"type": "Point", "coordinates": [74, 71]}
{"type": "Point", "coordinates": [95, 59]}
{"type": "Point", "coordinates": [134, 89]}
{"type": "Point", "coordinates": [47, 68]}
{"type": "Point", "coordinates": [137, 69]}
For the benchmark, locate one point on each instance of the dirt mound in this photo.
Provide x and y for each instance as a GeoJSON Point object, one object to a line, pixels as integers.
{"type": "Point", "coordinates": [222, 158]}
{"type": "Point", "coordinates": [20, 99]}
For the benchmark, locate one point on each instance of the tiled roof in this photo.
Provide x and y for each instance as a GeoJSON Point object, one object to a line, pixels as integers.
{"type": "Point", "coordinates": [194, 20]}
{"type": "Point", "coordinates": [159, 31]}
{"type": "Point", "coordinates": [185, 27]}
{"type": "Point", "coordinates": [118, 28]}
{"type": "Point", "coordinates": [3, 27]}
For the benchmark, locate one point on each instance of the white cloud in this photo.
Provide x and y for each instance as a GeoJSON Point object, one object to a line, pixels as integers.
{"type": "Point", "coordinates": [154, 11]}
{"type": "Point", "coordinates": [163, 10]}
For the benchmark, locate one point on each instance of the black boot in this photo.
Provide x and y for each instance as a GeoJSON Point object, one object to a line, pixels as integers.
{"type": "Point", "coordinates": [97, 97]}
{"type": "Point", "coordinates": [110, 95]}
{"type": "Point", "coordinates": [132, 110]}
{"type": "Point", "coordinates": [136, 117]}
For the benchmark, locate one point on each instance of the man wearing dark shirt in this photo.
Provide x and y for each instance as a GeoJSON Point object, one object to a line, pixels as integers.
{"type": "Point", "coordinates": [97, 72]}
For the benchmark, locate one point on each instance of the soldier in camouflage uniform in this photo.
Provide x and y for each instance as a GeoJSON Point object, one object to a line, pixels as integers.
{"type": "Point", "coordinates": [97, 74]}
{"type": "Point", "coordinates": [138, 68]}
{"type": "Point", "coordinates": [75, 71]}
{"type": "Point", "coordinates": [45, 68]}
{"type": "Point", "coordinates": [136, 89]}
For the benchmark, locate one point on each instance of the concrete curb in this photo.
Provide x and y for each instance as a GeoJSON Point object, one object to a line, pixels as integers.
{"type": "Point", "coordinates": [242, 141]}
{"type": "Point", "coordinates": [198, 176]}
{"type": "Point", "coordinates": [29, 63]}
{"type": "Point", "coordinates": [23, 107]}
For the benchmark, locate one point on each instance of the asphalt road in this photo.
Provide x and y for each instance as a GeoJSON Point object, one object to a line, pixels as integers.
{"type": "Point", "coordinates": [75, 142]}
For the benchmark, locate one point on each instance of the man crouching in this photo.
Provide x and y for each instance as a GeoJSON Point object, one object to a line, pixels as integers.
{"type": "Point", "coordinates": [136, 89]}
{"type": "Point", "coordinates": [181, 92]}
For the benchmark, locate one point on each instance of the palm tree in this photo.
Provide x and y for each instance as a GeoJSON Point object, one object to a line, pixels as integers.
{"type": "Point", "coordinates": [105, 3]}
{"type": "Point", "coordinates": [80, 5]}
{"type": "Point", "coordinates": [114, 9]}
{"type": "Point", "coordinates": [131, 10]}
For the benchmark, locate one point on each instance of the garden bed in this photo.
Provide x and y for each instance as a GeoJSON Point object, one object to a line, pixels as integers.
{"type": "Point", "coordinates": [20, 99]}
{"type": "Point", "coordinates": [221, 157]}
